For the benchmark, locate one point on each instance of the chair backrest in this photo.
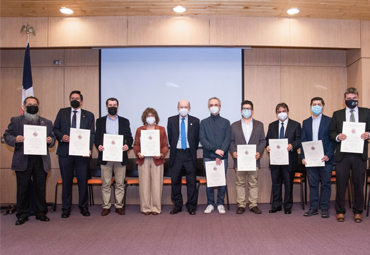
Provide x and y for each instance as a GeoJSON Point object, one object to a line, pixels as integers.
{"type": "Point", "coordinates": [200, 168]}
{"type": "Point", "coordinates": [131, 168]}
{"type": "Point", "coordinates": [95, 170]}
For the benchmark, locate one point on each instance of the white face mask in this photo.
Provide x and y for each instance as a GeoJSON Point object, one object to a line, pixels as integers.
{"type": "Point", "coordinates": [214, 109]}
{"type": "Point", "coordinates": [183, 112]}
{"type": "Point", "coordinates": [282, 116]}
{"type": "Point", "coordinates": [150, 120]}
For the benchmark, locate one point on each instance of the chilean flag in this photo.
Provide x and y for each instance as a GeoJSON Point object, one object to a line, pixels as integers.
{"type": "Point", "coordinates": [27, 88]}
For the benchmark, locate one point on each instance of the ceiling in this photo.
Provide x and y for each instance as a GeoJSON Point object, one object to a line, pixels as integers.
{"type": "Point", "coordinates": [331, 9]}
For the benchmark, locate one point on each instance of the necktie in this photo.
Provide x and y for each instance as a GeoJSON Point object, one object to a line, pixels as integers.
{"type": "Point", "coordinates": [183, 134]}
{"type": "Point", "coordinates": [74, 119]}
{"type": "Point", "coordinates": [281, 131]}
{"type": "Point", "coordinates": [352, 117]}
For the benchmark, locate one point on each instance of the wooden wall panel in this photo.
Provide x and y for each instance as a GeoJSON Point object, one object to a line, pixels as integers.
{"type": "Point", "coordinates": [8, 186]}
{"type": "Point", "coordinates": [39, 57]}
{"type": "Point", "coordinates": [87, 31]}
{"type": "Point", "coordinates": [159, 30]}
{"type": "Point", "coordinates": [355, 78]}
{"type": "Point", "coordinates": [82, 57]}
{"type": "Point", "coordinates": [365, 39]}
{"type": "Point", "coordinates": [262, 57]}
{"type": "Point", "coordinates": [313, 57]}
{"type": "Point", "coordinates": [365, 93]}
{"type": "Point", "coordinates": [325, 33]}
{"type": "Point", "coordinates": [353, 56]}
{"type": "Point", "coordinates": [245, 31]}
{"type": "Point", "coordinates": [10, 36]}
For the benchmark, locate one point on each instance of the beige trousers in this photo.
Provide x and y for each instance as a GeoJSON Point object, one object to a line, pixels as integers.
{"type": "Point", "coordinates": [150, 186]}
{"type": "Point", "coordinates": [252, 178]}
{"type": "Point", "coordinates": [106, 177]}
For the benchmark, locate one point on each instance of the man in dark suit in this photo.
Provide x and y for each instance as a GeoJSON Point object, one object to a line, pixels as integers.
{"type": "Point", "coordinates": [29, 166]}
{"type": "Point", "coordinates": [114, 125]}
{"type": "Point", "coordinates": [350, 161]}
{"type": "Point", "coordinates": [290, 129]}
{"type": "Point", "coordinates": [316, 128]}
{"type": "Point", "coordinates": [247, 131]}
{"type": "Point", "coordinates": [67, 118]}
{"type": "Point", "coordinates": [183, 135]}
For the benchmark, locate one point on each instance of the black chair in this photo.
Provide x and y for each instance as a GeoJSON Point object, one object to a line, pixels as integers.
{"type": "Point", "coordinates": [132, 176]}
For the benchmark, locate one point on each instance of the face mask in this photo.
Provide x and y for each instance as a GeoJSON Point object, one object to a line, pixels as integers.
{"type": "Point", "coordinates": [32, 109]}
{"type": "Point", "coordinates": [183, 112]}
{"type": "Point", "coordinates": [282, 116]}
{"type": "Point", "coordinates": [316, 109]}
{"type": "Point", "coordinates": [150, 120]}
{"type": "Point", "coordinates": [112, 110]}
{"type": "Point", "coordinates": [75, 104]}
{"type": "Point", "coordinates": [351, 104]}
{"type": "Point", "coordinates": [246, 113]}
{"type": "Point", "coordinates": [214, 109]}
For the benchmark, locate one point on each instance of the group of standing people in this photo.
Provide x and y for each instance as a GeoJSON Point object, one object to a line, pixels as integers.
{"type": "Point", "coordinates": [185, 132]}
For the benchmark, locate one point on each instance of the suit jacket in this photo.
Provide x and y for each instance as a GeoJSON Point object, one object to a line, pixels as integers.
{"type": "Point", "coordinates": [62, 127]}
{"type": "Point", "coordinates": [15, 128]}
{"type": "Point", "coordinates": [257, 138]}
{"type": "Point", "coordinates": [293, 133]}
{"type": "Point", "coordinates": [123, 129]}
{"type": "Point", "coordinates": [336, 127]}
{"type": "Point", "coordinates": [173, 131]}
{"type": "Point", "coordinates": [328, 144]}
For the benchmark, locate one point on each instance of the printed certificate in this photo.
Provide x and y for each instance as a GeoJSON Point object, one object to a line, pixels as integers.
{"type": "Point", "coordinates": [313, 153]}
{"type": "Point", "coordinates": [79, 142]}
{"type": "Point", "coordinates": [34, 140]}
{"type": "Point", "coordinates": [215, 174]}
{"type": "Point", "coordinates": [353, 143]}
{"type": "Point", "coordinates": [112, 147]}
{"type": "Point", "coordinates": [246, 157]}
{"type": "Point", "coordinates": [150, 143]}
{"type": "Point", "coordinates": [279, 154]}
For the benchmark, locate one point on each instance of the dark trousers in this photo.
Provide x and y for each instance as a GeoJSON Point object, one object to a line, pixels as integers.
{"type": "Point", "coordinates": [34, 170]}
{"type": "Point", "coordinates": [354, 162]}
{"type": "Point", "coordinates": [70, 166]}
{"type": "Point", "coordinates": [315, 174]}
{"type": "Point", "coordinates": [183, 160]}
{"type": "Point", "coordinates": [280, 174]}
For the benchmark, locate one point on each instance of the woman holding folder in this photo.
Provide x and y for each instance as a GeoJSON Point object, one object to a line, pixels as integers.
{"type": "Point", "coordinates": [150, 148]}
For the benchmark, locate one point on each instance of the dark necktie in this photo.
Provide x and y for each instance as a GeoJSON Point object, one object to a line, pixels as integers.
{"type": "Point", "coordinates": [281, 131]}
{"type": "Point", "coordinates": [352, 117]}
{"type": "Point", "coordinates": [74, 119]}
{"type": "Point", "coordinates": [183, 134]}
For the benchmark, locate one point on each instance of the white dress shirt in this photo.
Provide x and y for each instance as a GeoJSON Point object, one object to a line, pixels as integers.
{"type": "Point", "coordinates": [315, 127]}
{"type": "Point", "coordinates": [247, 129]}
{"type": "Point", "coordinates": [348, 114]}
{"type": "Point", "coordinates": [78, 116]}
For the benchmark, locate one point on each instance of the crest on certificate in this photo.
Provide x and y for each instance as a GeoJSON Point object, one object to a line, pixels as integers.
{"type": "Point", "coordinates": [35, 134]}
{"type": "Point", "coordinates": [353, 131]}
{"type": "Point", "coordinates": [79, 136]}
{"type": "Point", "coordinates": [113, 142]}
{"type": "Point", "coordinates": [278, 147]}
{"type": "Point", "coordinates": [313, 148]}
{"type": "Point", "coordinates": [150, 137]}
{"type": "Point", "coordinates": [246, 152]}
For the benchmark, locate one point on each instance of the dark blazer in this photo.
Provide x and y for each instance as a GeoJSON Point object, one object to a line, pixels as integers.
{"type": "Point", "coordinates": [123, 129]}
{"type": "Point", "coordinates": [173, 131]}
{"type": "Point", "coordinates": [328, 144]}
{"type": "Point", "coordinates": [62, 127]}
{"type": "Point", "coordinates": [15, 128]}
{"type": "Point", "coordinates": [257, 138]}
{"type": "Point", "coordinates": [336, 127]}
{"type": "Point", "coordinates": [293, 133]}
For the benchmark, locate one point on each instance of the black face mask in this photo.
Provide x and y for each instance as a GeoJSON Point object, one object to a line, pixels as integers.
{"type": "Point", "coordinates": [32, 109]}
{"type": "Point", "coordinates": [112, 110]}
{"type": "Point", "coordinates": [75, 104]}
{"type": "Point", "coordinates": [351, 104]}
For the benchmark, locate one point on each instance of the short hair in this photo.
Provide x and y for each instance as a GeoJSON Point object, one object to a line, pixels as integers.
{"type": "Point", "coordinates": [246, 102]}
{"type": "Point", "coordinates": [76, 92]}
{"type": "Point", "coordinates": [30, 97]}
{"type": "Point", "coordinates": [351, 90]}
{"type": "Point", "coordinates": [146, 112]}
{"type": "Point", "coordinates": [317, 99]}
{"type": "Point", "coordinates": [284, 105]}
{"type": "Point", "coordinates": [111, 99]}
{"type": "Point", "coordinates": [219, 101]}
{"type": "Point", "coordinates": [178, 103]}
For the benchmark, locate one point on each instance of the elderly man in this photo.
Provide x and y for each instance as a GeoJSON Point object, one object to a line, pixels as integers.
{"type": "Point", "coordinates": [29, 167]}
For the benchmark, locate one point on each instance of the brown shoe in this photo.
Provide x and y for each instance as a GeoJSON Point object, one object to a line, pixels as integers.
{"type": "Point", "coordinates": [105, 212]}
{"type": "Point", "coordinates": [146, 213]}
{"type": "Point", "coordinates": [256, 210]}
{"type": "Point", "coordinates": [240, 210]}
{"type": "Point", "coordinates": [340, 217]}
{"type": "Point", "coordinates": [358, 218]}
{"type": "Point", "coordinates": [154, 213]}
{"type": "Point", "coordinates": [120, 211]}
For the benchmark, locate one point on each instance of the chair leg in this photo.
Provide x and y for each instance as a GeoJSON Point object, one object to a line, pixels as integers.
{"type": "Point", "coordinates": [368, 204]}
{"type": "Point", "coordinates": [271, 198]}
{"type": "Point", "coordinates": [305, 190]}
{"type": "Point", "coordinates": [92, 194]}
{"type": "Point", "coordinates": [350, 193]}
{"type": "Point", "coordinates": [56, 196]}
{"type": "Point", "coordinates": [366, 183]}
{"type": "Point", "coordinates": [227, 198]}
{"type": "Point", "coordinates": [124, 195]}
{"type": "Point", "coordinates": [302, 196]}
{"type": "Point", "coordinates": [89, 193]}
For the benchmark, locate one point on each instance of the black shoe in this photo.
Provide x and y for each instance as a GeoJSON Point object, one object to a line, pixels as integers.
{"type": "Point", "coordinates": [325, 214]}
{"type": "Point", "coordinates": [42, 218]}
{"type": "Point", "coordinates": [310, 213]}
{"type": "Point", "coordinates": [191, 211]}
{"type": "Point", "coordinates": [85, 212]}
{"type": "Point", "coordinates": [65, 214]}
{"type": "Point", "coordinates": [274, 210]}
{"type": "Point", "coordinates": [288, 211]}
{"type": "Point", "coordinates": [176, 210]}
{"type": "Point", "coordinates": [21, 221]}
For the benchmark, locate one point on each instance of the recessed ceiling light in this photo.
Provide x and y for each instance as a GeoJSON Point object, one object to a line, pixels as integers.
{"type": "Point", "coordinates": [293, 11]}
{"type": "Point", "coordinates": [179, 9]}
{"type": "Point", "coordinates": [66, 10]}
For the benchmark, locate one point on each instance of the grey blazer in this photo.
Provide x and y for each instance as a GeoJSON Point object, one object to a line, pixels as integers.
{"type": "Point", "coordinates": [15, 128]}
{"type": "Point", "coordinates": [257, 138]}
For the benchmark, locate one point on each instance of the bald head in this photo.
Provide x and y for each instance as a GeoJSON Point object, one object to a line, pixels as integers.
{"type": "Point", "coordinates": [183, 104]}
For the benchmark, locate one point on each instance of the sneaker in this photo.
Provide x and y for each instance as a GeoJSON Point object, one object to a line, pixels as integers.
{"type": "Point", "coordinates": [209, 209]}
{"type": "Point", "coordinates": [221, 209]}
{"type": "Point", "coordinates": [310, 213]}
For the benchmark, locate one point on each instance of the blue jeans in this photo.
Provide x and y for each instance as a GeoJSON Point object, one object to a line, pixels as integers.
{"type": "Point", "coordinates": [315, 174]}
{"type": "Point", "coordinates": [211, 191]}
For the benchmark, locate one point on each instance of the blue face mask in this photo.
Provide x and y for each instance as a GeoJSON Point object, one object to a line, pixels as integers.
{"type": "Point", "coordinates": [316, 109]}
{"type": "Point", "coordinates": [246, 113]}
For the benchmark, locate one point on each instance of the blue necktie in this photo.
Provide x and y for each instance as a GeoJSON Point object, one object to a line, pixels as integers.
{"type": "Point", "coordinates": [74, 119]}
{"type": "Point", "coordinates": [183, 134]}
{"type": "Point", "coordinates": [282, 131]}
